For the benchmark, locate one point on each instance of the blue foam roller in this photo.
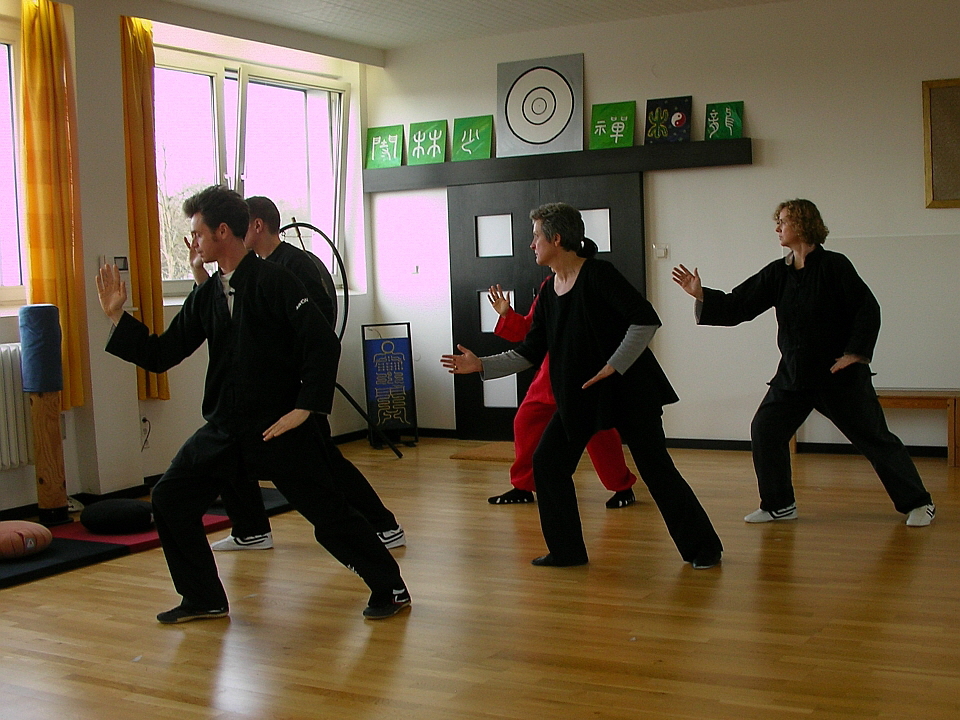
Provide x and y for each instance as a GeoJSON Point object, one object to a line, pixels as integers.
{"type": "Point", "coordinates": [40, 362]}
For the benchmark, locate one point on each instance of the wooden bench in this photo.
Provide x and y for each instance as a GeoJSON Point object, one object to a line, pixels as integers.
{"type": "Point", "coordinates": [924, 399]}
{"type": "Point", "coordinates": [929, 399]}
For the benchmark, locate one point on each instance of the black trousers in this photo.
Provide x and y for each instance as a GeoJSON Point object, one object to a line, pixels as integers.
{"type": "Point", "coordinates": [244, 503]}
{"type": "Point", "coordinates": [555, 460]}
{"type": "Point", "coordinates": [854, 408]}
{"type": "Point", "coordinates": [210, 459]}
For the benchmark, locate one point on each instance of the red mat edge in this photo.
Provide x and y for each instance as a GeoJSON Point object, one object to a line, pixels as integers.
{"type": "Point", "coordinates": [137, 542]}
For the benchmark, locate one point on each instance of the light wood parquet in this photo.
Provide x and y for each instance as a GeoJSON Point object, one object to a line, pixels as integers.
{"type": "Point", "coordinates": [843, 614]}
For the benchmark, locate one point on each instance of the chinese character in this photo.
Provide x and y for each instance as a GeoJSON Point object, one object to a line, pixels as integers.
{"type": "Point", "coordinates": [470, 135]}
{"type": "Point", "coordinates": [713, 121]}
{"type": "Point", "coordinates": [418, 138]}
{"type": "Point", "coordinates": [387, 146]}
{"type": "Point", "coordinates": [729, 120]}
{"type": "Point", "coordinates": [617, 128]}
{"type": "Point", "coordinates": [658, 119]}
{"type": "Point", "coordinates": [434, 150]}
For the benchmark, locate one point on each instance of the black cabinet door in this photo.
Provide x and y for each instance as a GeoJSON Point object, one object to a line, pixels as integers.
{"type": "Point", "coordinates": [490, 233]}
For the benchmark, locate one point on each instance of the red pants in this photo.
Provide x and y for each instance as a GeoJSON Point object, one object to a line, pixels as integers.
{"type": "Point", "coordinates": [605, 449]}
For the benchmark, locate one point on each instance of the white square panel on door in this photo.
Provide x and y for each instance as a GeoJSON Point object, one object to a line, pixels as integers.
{"type": "Point", "coordinates": [494, 235]}
{"type": "Point", "coordinates": [501, 392]}
{"type": "Point", "coordinates": [489, 316]}
{"type": "Point", "coordinates": [596, 226]}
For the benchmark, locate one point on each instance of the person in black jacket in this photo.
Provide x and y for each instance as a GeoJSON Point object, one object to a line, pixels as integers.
{"type": "Point", "coordinates": [272, 366]}
{"type": "Point", "coordinates": [243, 501]}
{"type": "Point", "coordinates": [591, 319]}
{"type": "Point", "coordinates": [828, 323]}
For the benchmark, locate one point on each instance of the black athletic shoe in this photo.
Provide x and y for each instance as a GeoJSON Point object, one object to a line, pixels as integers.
{"type": "Point", "coordinates": [706, 559]}
{"type": "Point", "coordinates": [180, 614]}
{"type": "Point", "coordinates": [512, 497]}
{"type": "Point", "coordinates": [549, 560]}
{"type": "Point", "coordinates": [621, 499]}
{"type": "Point", "coordinates": [401, 600]}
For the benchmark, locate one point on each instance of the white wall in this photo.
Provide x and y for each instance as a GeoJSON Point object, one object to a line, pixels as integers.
{"type": "Point", "coordinates": [833, 105]}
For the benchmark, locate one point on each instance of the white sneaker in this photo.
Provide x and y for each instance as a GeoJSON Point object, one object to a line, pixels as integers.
{"type": "Point", "coordinates": [922, 516]}
{"type": "Point", "coordinates": [762, 516]}
{"type": "Point", "coordinates": [254, 542]}
{"type": "Point", "coordinates": [392, 538]}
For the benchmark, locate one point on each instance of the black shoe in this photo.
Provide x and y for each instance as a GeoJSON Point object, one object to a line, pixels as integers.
{"type": "Point", "coordinates": [622, 498]}
{"type": "Point", "coordinates": [180, 614]}
{"type": "Point", "coordinates": [706, 559]}
{"type": "Point", "coordinates": [400, 600]}
{"type": "Point", "coordinates": [512, 497]}
{"type": "Point", "coordinates": [549, 560]}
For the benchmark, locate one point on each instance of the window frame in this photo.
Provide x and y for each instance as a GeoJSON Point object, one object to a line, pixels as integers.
{"type": "Point", "coordinates": [16, 295]}
{"type": "Point", "coordinates": [220, 67]}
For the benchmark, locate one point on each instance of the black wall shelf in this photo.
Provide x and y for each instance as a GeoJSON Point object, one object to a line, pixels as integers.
{"type": "Point", "coordinates": [641, 158]}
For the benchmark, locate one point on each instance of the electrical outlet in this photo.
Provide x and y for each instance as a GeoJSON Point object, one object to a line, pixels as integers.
{"type": "Point", "coordinates": [144, 433]}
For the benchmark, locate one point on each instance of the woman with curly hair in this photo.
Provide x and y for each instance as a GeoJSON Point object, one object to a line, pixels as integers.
{"type": "Point", "coordinates": [828, 326]}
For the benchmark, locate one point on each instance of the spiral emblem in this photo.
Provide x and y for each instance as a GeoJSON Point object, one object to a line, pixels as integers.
{"type": "Point", "coordinates": [539, 105]}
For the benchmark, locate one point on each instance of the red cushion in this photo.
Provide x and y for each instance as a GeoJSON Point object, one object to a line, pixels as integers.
{"type": "Point", "coordinates": [19, 538]}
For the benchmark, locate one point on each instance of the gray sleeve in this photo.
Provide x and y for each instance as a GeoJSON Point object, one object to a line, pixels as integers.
{"type": "Point", "coordinates": [506, 363]}
{"type": "Point", "coordinates": [697, 310]}
{"type": "Point", "coordinates": [636, 340]}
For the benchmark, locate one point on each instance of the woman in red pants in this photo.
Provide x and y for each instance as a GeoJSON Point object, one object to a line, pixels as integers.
{"type": "Point", "coordinates": [536, 410]}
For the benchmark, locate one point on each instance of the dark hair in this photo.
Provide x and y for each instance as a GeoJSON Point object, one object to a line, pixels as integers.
{"type": "Point", "coordinates": [564, 220]}
{"type": "Point", "coordinates": [806, 217]}
{"type": "Point", "coordinates": [263, 208]}
{"type": "Point", "coordinates": [218, 204]}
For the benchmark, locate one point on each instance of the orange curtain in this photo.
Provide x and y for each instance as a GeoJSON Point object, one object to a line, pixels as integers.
{"type": "Point", "coordinates": [54, 244]}
{"type": "Point", "coordinates": [143, 215]}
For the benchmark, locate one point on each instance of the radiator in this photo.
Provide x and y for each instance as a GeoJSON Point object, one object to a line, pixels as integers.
{"type": "Point", "coordinates": [16, 433]}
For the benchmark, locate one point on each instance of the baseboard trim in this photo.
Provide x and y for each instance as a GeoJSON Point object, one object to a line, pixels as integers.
{"type": "Point", "coordinates": [844, 449]}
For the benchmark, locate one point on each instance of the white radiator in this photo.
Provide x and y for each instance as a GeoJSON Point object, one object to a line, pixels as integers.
{"type": "Point", "coordinates": [16, 434]}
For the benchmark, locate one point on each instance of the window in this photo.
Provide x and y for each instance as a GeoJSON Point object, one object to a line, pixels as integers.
{"type": "Point", "coordinates": [11, 255]}
{"type": "Point", "coordinates": [261, 131]}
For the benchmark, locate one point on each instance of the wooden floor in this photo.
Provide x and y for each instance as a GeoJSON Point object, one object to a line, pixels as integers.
{"type": "Point", "coordinates": [844, 613]}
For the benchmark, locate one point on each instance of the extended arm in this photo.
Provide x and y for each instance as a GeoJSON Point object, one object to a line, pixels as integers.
{"type": "Point", "coordinates": [491, 366]}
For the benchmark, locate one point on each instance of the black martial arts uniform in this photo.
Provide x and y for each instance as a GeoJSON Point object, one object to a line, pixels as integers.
{"type": "Point", "coordinates": [824, 311]}
{"type": "Point", "coordinates": [243, 500]}
{"type": "Point", "coordinates": [273, 354]}
{"type": "Point", "coordinates": [582, 329]}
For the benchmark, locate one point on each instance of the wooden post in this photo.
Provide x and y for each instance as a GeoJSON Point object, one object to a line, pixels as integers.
{"type": "Point", "coordinates": [48, 449]}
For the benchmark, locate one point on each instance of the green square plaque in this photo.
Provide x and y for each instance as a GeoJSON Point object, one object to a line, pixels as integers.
{"type": "Point", "coordinates": [723, 121]}
{"type": "Point", "coordinates": [384, 146]}
{"type": "Point", "coordinates": [427, 143]}
{"type": "Point", "coordinates": [472, 138]}
{"type": "Point", "coordinates": [612, 124]}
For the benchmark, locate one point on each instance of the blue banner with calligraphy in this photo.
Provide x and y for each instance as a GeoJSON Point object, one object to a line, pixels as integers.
{"type": "Point", "coordinates": [388, 372]}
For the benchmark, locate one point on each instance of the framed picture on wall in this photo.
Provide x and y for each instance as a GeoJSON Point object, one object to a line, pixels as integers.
{"type": "Point", "coordinates": [384, 146]}
{"type": "Point", "coordinates": [472, 138]}
{"type": "Point", "coordinates": [941, 142]}
{"type": "Point", "coordinates": [668, 120]}
{"type": "Point", "coordinates": [427, 143]}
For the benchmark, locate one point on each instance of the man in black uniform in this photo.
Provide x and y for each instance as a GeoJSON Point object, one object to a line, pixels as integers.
{"type": "Point", "coordinates": [243, 500]}
{"type": "Point", "coordinates": [273, 363]}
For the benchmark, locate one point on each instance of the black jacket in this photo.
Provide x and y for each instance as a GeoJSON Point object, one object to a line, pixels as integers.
{"type": "Point", "coordinates": [302, 265]}
{"type": "Point", "coordinates": [582, 329]}
{"type": "Point", "coordinates": [275, 353]}
{"type": "Point", "coordinates": [824, 311]}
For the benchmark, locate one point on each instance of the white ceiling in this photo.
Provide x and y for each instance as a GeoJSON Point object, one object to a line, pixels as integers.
{"type": "Point", "coordinates": [389, 24]}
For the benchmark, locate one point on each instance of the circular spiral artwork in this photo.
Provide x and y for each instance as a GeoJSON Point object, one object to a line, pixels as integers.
{"type": "Point", "coordinates": [539, 105]}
